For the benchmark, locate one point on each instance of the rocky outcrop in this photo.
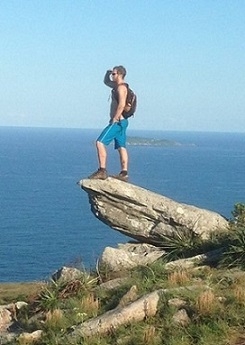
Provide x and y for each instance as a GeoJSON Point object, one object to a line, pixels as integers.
{"type": "Point", "coordinates": [130, 255]}
{"type": "Point", "coordinates": [144, 307]}
{"type": "Point", "coordinates": [144, 215]}
{"type": "Point", "coordinates": [9, 329]}
{"type": "Point", "coordinates": [66, 274]}
{"type": "Point", "coordinates": [6, 318]}
{"type": "Point", "coordinates": [208, 258]}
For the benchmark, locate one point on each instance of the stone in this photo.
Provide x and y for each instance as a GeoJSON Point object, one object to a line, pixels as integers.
{"type": "Point", "coordinates": [144, 215]}
{"type": "Point", "coordinates": [144, 307]}
{"type": "Point", "coordinates": [66, 274]}
{"type": "Point", "coordinates": [130, 255]}
{"type": "Point", "coordinates": [129, 297]}
{"type": "Point", "coordinates": [30, 337]}
{"type": "Point", "coordinates": [21, 304]}
{"type": "Point", "coordinates": [189, 263]}
{"type": "Point", "coordinates": [113, 283]}
{"type": "Point", "coordinates": [177, 303]}
{"type": "Point", "coordinates": [9, 306]}
{"type": "Point", "coordinates": [5, 319]}
{"type": "Point", "coordinates": [181, 318]}
{"type": "Point", "coordinates": [139, 310]}
{"type": "Point", "coordinates": [9, 328]}
{"type": "Point", "coordinates": [7, 337]}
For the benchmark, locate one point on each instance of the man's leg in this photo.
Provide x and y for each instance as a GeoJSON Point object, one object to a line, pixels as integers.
{"type": "Point", "coordinates": [102, 154]}
{"type": "Point", "coordinates": [106, 136]}
{"type": "Point", "coordinates": [123, 175]}
{"type": "Point", "coordinates": [101, 172]}
{"type": "Point", "coordinates": [123, 153]}
{"type": "Point", "coordinates": [120, 145]}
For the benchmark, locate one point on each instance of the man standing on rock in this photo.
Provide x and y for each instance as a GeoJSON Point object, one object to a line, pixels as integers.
{"type": "Point", "coordinates": [116, 130]}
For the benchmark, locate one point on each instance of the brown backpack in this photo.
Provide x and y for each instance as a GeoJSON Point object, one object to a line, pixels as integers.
{"type": "Point", "coordinates": [131, 101]}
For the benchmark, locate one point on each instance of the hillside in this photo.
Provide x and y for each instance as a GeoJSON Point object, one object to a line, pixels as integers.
{"type": "Point", "coordinates": [193, 293]}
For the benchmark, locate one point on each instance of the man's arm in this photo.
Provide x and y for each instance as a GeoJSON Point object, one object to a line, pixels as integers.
{"type": "Point", "coordinates": [122, 96]}
{"type": "Point", "coordinates": [108, 81]}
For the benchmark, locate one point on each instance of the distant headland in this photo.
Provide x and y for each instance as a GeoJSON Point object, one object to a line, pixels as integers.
{"type": "Point", "coordinates": [139, 141]}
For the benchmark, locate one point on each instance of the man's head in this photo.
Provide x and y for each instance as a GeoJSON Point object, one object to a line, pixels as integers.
{"type": "Point", "coordinates": [119, 71]}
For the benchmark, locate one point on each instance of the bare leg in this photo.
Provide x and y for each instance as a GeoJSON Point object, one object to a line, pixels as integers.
{"type": "Point", "coordinates": [123, 158]}
{"type": "Point", "coordinates": [102, 154]}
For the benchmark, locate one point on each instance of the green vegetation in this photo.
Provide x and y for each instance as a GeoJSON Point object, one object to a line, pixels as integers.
{"type": "Point", "coordinates": [235, 253]}
{"type": "Point", "coordinates": [214, 309]}
{"type": "Point", "coordinates": [12, 292]}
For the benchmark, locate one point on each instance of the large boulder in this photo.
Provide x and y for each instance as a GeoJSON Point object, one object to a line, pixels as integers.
{"type": "Point", "coordinates": [130, 255]}
{"type": "Point", "coordinates": [9, 327]}
{"type": "Point", "coordinates": [66, 274]}
{"type": "Point", "coordinates": [144, 215]}
{"type": "Point", "coordinates": [6, 319]}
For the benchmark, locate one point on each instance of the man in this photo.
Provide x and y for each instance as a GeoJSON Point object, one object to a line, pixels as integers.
{"type": "Point", "coordinates": [116, 130]}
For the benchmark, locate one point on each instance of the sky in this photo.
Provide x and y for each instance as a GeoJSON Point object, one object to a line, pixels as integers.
{"type": "Point", "coordinates": [185, 60]}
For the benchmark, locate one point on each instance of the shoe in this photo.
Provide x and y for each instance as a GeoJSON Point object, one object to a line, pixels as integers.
{"type": "Point", "coordinates": [99, 175]}
{"type": "Point", "coordinates": [121, 176]}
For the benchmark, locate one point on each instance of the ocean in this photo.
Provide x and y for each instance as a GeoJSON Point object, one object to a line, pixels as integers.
{"type": "Point", "coordinates": [45, 218]}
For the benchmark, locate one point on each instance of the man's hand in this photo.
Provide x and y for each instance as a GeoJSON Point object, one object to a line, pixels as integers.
{"type": "Point", "coordinates": [114, 120]}
{"type": "Point", "coordinates": [107, 79]}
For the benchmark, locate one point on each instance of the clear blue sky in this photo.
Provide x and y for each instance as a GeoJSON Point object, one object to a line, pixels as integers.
{"type": "Point", "coordinates": [185, 60]}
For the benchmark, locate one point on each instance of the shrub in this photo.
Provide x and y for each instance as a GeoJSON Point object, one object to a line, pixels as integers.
{"type": "Point", "coordinates": [234, 256]}
{"type": "Point", "coordinates": [181, 243]}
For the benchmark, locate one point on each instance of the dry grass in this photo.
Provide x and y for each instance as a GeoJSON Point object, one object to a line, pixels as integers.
{"type": "Point", "coordinates": [90, 304]}
{"type": "Point", "coordinates": [13, 292]}
{"type": "Point", "coordinates": [54, 315]}
{"type": "Point", "coordinates": [180, 277]}
{"type": "Point", "coordinates": [206, 302]}
{"type": "Point", "coordinates": [56, 320]}
{"type": "Point", "coordinates": [149, 335]}
{"type": "Point", "coordinates": [237, 338]}
{"type": "Point", "coordinates": [239, 294]}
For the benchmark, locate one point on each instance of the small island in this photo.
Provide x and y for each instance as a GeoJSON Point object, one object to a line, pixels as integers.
{"type": "Point", "coordinates": [139, 141]}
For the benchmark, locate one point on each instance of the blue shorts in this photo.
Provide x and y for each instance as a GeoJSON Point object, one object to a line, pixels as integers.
{"type": "Point", "coordinates": [116, 132]}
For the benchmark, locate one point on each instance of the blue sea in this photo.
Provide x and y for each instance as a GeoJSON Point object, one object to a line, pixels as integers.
{"type": "Point", "coordinates": [45, 218]}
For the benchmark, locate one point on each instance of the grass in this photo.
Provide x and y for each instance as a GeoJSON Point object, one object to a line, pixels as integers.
{"type": "Point", "coordinates": [215, 308]}
{"type": "Point", "coordinates": [13, 292]}
{"type": "Point", "coordinates": [179, 277]}
{"type": "Point", "coordinates": [206, 307]}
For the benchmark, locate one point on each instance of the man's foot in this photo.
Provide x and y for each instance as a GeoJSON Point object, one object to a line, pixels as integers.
{"type": "Point", "coordinates": [100, 174]}
{"type": "Point", "coordinates": [123, 176]}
